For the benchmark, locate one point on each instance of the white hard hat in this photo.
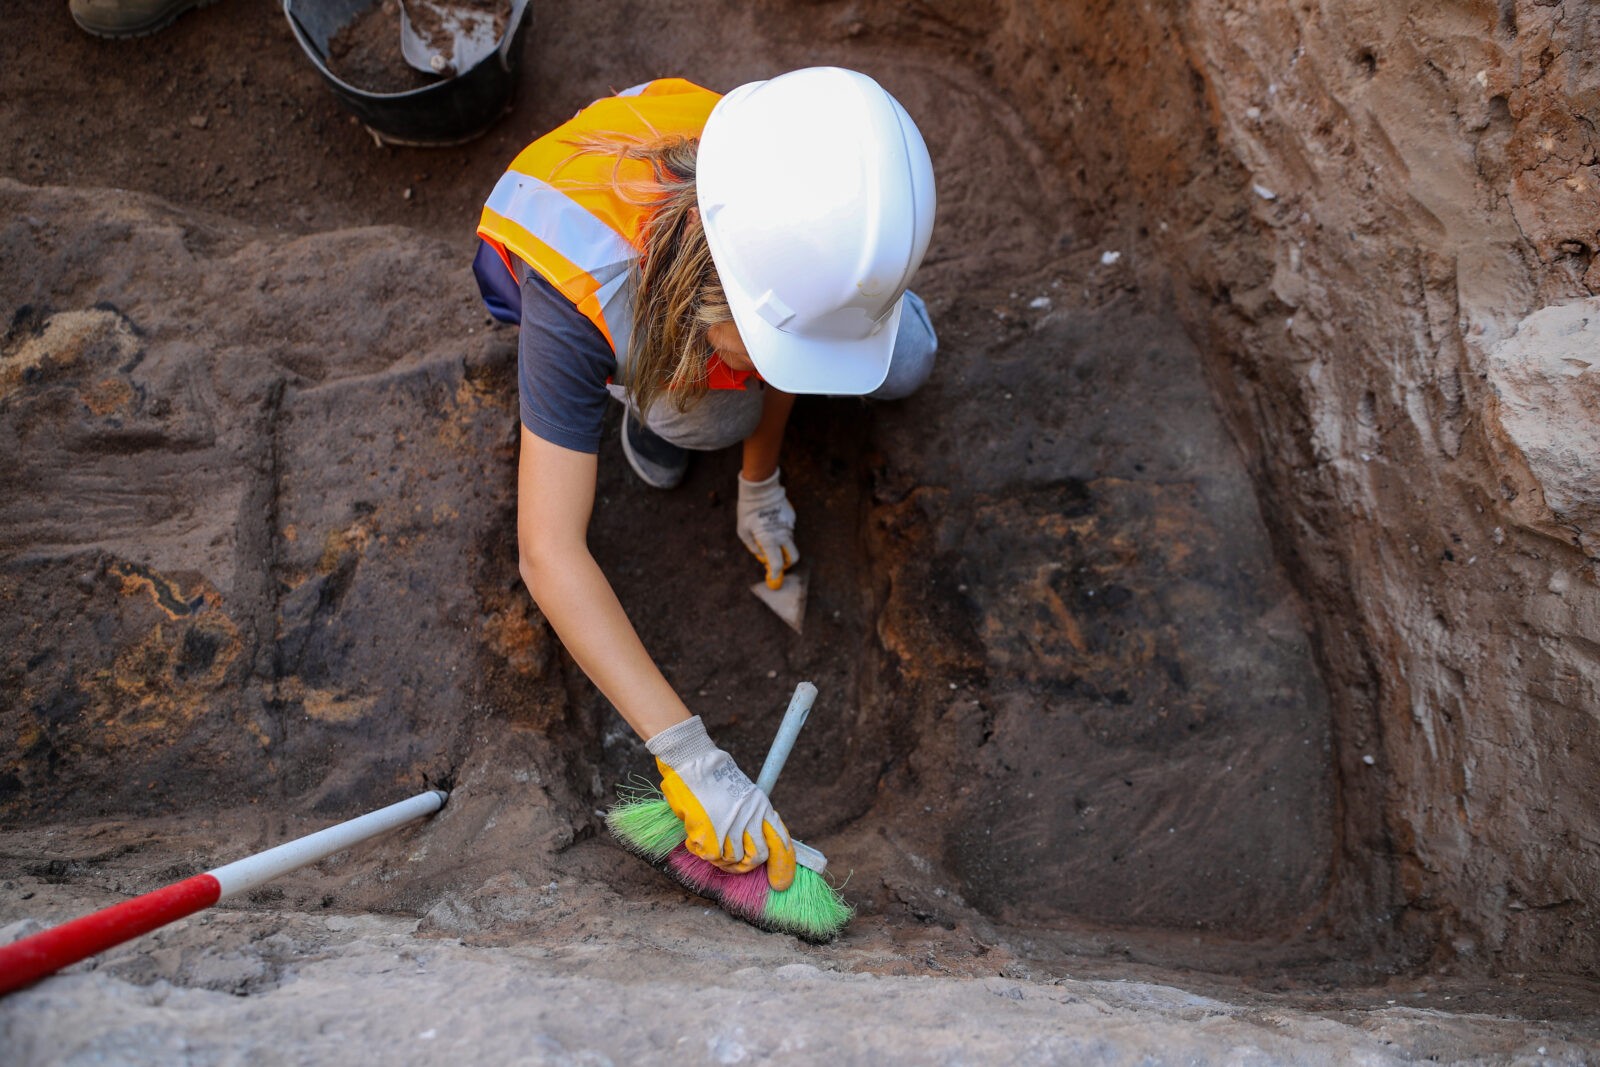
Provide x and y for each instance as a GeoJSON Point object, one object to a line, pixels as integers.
{"type": "Point", "coordinates": [816, 193]}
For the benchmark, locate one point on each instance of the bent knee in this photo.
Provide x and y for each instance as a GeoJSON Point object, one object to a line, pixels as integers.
{"type": "Point", "coordinates": [915, 346]}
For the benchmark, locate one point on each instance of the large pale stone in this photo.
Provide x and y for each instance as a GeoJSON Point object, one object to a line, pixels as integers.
{"type": "Point", "coordinates": [1546, 379]}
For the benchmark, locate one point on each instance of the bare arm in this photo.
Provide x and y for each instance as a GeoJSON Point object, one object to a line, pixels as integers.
{"type": "Point", "coordinates": [762, 447]}
{"type": "Point", "coordinates": [555, 496]}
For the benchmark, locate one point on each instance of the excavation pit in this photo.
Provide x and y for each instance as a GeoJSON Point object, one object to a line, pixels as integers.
{"type": "Point", "coordinates": [1200, 614]}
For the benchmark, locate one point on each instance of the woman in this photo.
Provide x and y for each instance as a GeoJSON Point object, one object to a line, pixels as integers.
{"type": "Point", "coordinates": [702, 259]}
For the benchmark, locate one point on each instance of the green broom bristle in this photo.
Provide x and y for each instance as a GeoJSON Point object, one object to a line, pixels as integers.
{"type": "Point", "coordinates": [647, 826]}
{"type": "Point", "coordinates": [810, 908]}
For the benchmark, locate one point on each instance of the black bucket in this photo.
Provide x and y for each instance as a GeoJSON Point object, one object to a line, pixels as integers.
{"type": "Point", "coordinates": [451, 111]}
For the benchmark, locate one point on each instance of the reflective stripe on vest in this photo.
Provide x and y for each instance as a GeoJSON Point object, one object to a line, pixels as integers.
{"type": "Point", "coordinates": [581, 256]}
{"type": "Point", "coordinates": [558, 212]}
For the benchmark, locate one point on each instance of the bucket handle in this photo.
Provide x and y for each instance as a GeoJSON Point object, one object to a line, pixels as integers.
{"type": "Point", "coordinates": [518, 9]}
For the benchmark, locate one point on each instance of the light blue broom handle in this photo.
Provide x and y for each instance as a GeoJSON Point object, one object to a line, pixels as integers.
{"type": "Point", "coordinates": [788, 730]}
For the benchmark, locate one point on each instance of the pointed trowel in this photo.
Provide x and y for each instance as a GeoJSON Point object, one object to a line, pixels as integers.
{"type": "Point", "coordinates": [788, 601]}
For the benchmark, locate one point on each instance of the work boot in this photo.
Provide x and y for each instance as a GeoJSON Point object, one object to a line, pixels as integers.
{"type": "Point", "coordinates": [658, 462]}
{"type": "Point", "coordinates": [127, 18]}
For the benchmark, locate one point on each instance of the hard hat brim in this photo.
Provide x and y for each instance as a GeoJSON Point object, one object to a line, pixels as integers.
{"type": "Point", "coordinates": [813, 365]}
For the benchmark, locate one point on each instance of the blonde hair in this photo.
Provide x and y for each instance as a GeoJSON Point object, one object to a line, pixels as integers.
{"type": "Point", "coordinates": [677, 295]}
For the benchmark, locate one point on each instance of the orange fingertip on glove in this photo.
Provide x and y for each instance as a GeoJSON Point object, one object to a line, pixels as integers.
{"type": "Point", "coordinates": [700, 837]}
{"type": "Point", "coordinates": [780, 859]}
{"type": "Point", "coordinates": [775, 578]}
{"type": "Point", "coordinates": [765, 522]}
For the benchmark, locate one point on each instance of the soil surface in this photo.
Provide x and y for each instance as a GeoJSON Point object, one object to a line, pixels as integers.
{"type": "Point", "coordinates": [676, 985]}
{"type": "Point", "coordinates": [257, 541]}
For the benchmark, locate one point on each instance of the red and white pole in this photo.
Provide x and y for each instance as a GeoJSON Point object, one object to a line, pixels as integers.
{"type": "Point", "coordinates": [46, 952]}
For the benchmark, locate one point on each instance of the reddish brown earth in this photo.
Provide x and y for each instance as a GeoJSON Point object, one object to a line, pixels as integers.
{"type": "Point", "coordinates": [258, 550]}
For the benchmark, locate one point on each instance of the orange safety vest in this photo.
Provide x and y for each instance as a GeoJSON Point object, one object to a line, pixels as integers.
{"type": "Point", "coordinates": [558, 212]}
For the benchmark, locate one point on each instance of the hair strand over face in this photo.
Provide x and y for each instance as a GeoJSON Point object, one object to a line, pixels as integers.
{"type": "Point", "coordinates": [677, 294]}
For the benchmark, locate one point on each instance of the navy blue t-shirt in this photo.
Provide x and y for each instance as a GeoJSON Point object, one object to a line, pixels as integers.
{"type": "Point", "coordinates": [563, 362]}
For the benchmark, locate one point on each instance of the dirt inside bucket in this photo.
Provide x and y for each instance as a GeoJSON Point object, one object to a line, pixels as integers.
{"type": "Point", "coordinates": [366, 53]}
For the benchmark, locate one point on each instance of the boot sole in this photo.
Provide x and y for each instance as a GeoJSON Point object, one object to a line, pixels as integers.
{"type": "Point", "coordinates": [148, 29]}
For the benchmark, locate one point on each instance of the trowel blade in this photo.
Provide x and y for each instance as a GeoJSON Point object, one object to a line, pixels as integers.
{"type": "Point", "coordinates": [464, 37]}
{"type": "Point", "coordinates": [788, 601]}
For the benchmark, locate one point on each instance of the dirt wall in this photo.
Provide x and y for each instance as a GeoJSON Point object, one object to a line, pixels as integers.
{"type": "Point", "coordinates": [1380, 222]}
{"type": "Point", "coordinates": [1372, 358]}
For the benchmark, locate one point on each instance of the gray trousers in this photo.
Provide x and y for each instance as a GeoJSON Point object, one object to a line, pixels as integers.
{"type": "Point", "coordinates": [724, 417]}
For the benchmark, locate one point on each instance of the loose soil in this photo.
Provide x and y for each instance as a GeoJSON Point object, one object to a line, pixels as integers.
{"type": "Point", "coordinates": [366, 52]}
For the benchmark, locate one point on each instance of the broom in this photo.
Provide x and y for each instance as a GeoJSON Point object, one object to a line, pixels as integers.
{"type": "Point", "coordinates": [810, 908]}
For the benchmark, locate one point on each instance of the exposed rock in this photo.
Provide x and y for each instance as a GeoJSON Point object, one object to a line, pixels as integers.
{"type": "Point", "coordinates": [1548, 387]}
{"type": "Point", "coordinates": [351, 989]}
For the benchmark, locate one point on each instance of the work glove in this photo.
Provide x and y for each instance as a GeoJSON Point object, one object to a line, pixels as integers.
{"type": "Point", "coordinates": [727, 818]}
{"type": "Point", "coordinates": [766, 526]}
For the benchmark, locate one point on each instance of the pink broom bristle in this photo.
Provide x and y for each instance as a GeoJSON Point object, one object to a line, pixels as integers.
{"type": "Point", "coordinates": [691, 870]}
{"type": "Point", "coordinates": [741, 895]}
{"type": "Point", "coordinates": [745, 895]}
